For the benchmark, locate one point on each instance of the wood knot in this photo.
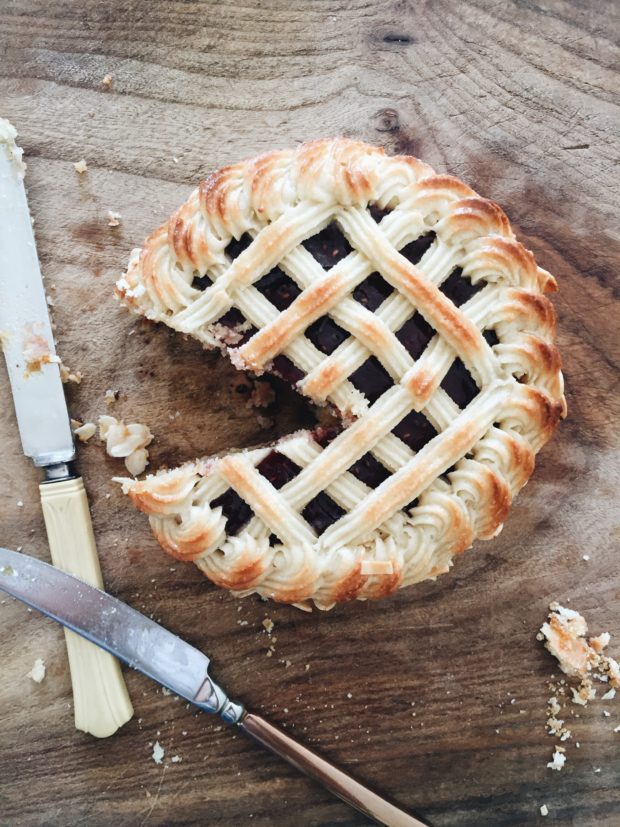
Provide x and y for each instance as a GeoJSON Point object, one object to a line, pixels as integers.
{"type": "Point", "coordinates": [387, 120]}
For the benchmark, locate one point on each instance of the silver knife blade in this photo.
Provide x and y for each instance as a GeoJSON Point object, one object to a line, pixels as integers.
{"type": "Point", "coordinates": [153, 650]}
{"type": "Point", "coordinates": [25, 328]}
{"type": "Point", "coordinates": [108, 622]}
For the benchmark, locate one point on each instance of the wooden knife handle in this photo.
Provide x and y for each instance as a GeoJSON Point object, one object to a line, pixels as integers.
{"type": "Point", "coordinates": [100, 699]}
{"type": "Point", "coordinates": [335, 780]}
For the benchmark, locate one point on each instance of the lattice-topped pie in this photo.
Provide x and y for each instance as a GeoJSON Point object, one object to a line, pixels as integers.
{"type": "Point", "coordinates": [394, 294]}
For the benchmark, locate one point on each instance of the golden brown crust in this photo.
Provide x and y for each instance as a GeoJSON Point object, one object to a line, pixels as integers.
{"type": "Point", "coordinates": [463, 480]}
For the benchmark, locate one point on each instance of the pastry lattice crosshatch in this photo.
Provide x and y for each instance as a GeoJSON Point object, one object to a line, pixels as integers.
{"type": "Point", "coordinates": [394, 294]}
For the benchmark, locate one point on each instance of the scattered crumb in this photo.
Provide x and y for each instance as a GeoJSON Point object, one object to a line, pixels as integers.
{"type": "Point", "coordinates": [558, 760]}
{"type": "Point", "coordinates": [127, 441]}
{"type": "Point", "coordinates": [37, 673]}
{"type": "Point", "coordinates": [85, 432]}
{"type": "Point", "coordinates": [176, 759]}
{"type": "Point", "coordinates": [158, 752]}
{"type": "Point", "coordinates": [110, 396]}
{"type": "Point", "coordinates": [36, 350]}
{"type": "Point", "coordinates": [579, 657]}
{"type": "Point", "coordinates": [175, 159]}
{"type": "Point", "coordinates": [609, 695]}
{"type": "Point", "coordinates": [349, 695]}
{"type": "Point", "coordinates": [544, 810]}
{"type": "Point", "coordinates": [80, 167]}
{"type": "Point", "coordinates": [20, 504]}
{"type": "Point", "coordinates": [617, 729]}
{"type": "Point", "coordinates": [67, 375]}
{"type": "Point", "coordinates": [268, 624]}
{"type": "Point", "coordinates": [114, 218]}
{"type": "Point", "coordinates": [107, 81]}
{"type": "Point", "coordinates": [586, 557]}
{"type": "Point", "coordinates": [287, 663]}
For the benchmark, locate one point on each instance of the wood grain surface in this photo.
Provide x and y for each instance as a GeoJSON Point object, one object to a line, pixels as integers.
{"type": "Point", "coordinates": [414, 693]}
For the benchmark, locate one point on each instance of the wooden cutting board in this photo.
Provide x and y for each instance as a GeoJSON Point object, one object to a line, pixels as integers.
{"type": "Point", "coordinates": [436, 696]}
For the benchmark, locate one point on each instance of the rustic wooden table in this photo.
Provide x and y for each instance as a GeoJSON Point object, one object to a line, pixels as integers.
{"type": "Point", "coordinates": [413, 693]}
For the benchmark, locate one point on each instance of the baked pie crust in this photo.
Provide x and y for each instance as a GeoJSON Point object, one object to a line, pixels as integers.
{"type": "Point", "coordinates": [399, 297]}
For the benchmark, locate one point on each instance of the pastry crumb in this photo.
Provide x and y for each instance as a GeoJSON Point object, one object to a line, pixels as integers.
{"type": "Point", "coordinates": [80, 166]}
{"type": "Point", "coordinates": [558, 759]}
{"type": "Point", "coordinates": [37, 673]}
{"type": "Point", "coordinates": [107, 81]}
{"type": "Point", "coordinates": [176, 759]}
{"type": "Point", "coordinates": [158, 752]}
{"type": "Point", "coordinates": [126, 441]}
{"type": "Point", "coordinates": [86, 431]}
{"type": "Point", "coordinates": [137, 461]}
{"type": "Point", "coordinates": [36, 350]}
{"type": "Point", "coordinates": [68, 375]}
{"type": "Point", "coordinates": [110, 396]}
{"type": "Point", "coordinates": [544, 810]}
{"type": "Point", "coordinates": [268, 625]}
{"type": "Point", "coordinates": [114, 218]}
{"type": "Point", "coordinates": [565, 636]}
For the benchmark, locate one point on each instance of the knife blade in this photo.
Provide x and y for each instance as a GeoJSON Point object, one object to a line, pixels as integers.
{"type": "Point", "coordinates": [42, 415]}
{"type": "Point", "coordinates": [153, 650]}
{"type": "Point", "coordinates": [101, 702]}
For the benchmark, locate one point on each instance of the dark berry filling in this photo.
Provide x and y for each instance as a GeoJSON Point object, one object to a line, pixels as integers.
{"type": "Point", "coordinates": [414, 251]}
{"type": "Point", "coordinates": [321, 512]}
{"type": "Point", "coordinates": [323, 436]}
{"type": "Point", "coordinates": [491, 337]}
{"type": "Point", "coordinates": [278, 469]}
{"type": "Point", "coordinates": [372, 379]}
{"type": "Point", "coordinates": [458, 383]}
{"type": "Point", "coordinates": [237, 246]}
{"type": "Point", "coordinates": [329, 246]}
{"type": "Point", "coordinates": [415, 430]}
{"type": "Point", "coordinates": [278, 288]}
{"type": "Point", "coordinates": [415, 334]}
{"type": "Point", "coordinates": [236, 510]}
{"type": "Point", "coordinates": [326, 335]}
{"type": "Point", "coordinates": [201, 282]}
{"type": "Point", "coordinates": [232, 318]}
{"type": "Point", "coordinates": [377, 213]}
{"type": "Point", "coordinates": [369, 470]}
{"type": "Point", "coordinates": [458, 288]}
{"type": "Point", "coordinates": [373, 291]}
{"type": "Point", "coordinates": [286, 370]}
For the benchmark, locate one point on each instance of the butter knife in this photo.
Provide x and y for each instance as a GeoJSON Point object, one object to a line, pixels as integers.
{"type": "Point", "coordinates": [101, 702]}
{"type": "Point", "coordinates": [148, 647]}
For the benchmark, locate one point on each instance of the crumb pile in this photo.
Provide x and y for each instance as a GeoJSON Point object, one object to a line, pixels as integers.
{"type": "Point", "coordinates": [126, 441]}
{"type": "Point", "coordinates": [565, 635]}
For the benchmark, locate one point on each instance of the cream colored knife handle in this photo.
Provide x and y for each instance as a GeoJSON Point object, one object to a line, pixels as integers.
{"type": "Point", "coordinates": [100, 698]}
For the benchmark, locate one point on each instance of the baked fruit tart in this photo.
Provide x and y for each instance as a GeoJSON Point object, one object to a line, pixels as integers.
{"type": "Point", "coordinates": [395, 295]}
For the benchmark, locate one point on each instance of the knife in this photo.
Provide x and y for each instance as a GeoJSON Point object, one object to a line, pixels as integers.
{"type": "Point", "coordinates": [148, 647]}
{"type": "Point", "coordinates": [101, 702]}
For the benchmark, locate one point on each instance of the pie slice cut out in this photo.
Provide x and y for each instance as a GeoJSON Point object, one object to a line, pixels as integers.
{"type": "Point", "coordinates": [397, 296]}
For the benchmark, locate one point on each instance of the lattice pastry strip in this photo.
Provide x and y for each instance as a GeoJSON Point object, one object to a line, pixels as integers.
{"type": "Point", "coordinates": [396, 295]}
